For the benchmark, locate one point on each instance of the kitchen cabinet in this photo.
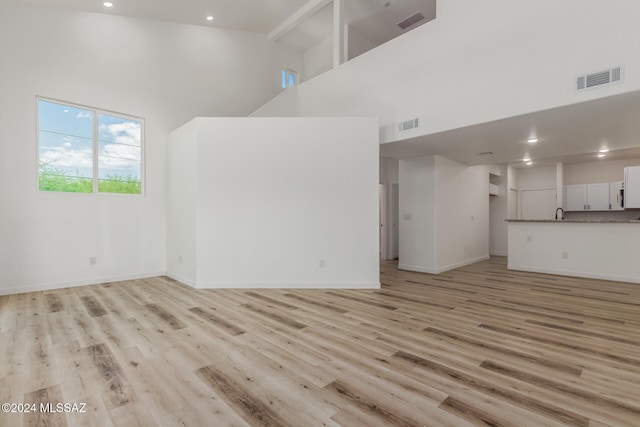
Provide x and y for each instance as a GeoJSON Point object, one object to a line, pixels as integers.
{"type": "Point", "coordinates": [615, 195]}
{"type": "Point", "coordinates": [587, 197]}
{"type": "Point", "coordinates": [632, 187]}
{"type": "Point", "coordinates": [575, 197]}
{"type": "Point", "coordinates": [598, 197]}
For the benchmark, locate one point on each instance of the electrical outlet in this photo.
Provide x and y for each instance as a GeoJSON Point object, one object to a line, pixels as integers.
{"type": "Point", "coordinates": [321, 263]}
{"type": "Point", "coordinates": [565, 255]}
{"type": "Point", "coordinates": [93, 260]}
{"type": "Point", "coordinates": [529, 238]}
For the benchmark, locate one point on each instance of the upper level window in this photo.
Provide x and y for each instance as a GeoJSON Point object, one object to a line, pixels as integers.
{"type": "Point", "coordinates": [289, 78]}
{"type": "Point", "coordinates": [86, 150]}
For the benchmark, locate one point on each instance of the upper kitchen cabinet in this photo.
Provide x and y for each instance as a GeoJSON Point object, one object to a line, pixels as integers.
{"type": "Point", "coordinates": [575, 197]}
{"type": "Point", "coordinates": [587, 197]}
{"type": "Point", "coordinates": [632, 187]}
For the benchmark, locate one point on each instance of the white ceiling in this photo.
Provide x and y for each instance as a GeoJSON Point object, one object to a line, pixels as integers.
{"type": "Point", "coordinates": [246, 15]}
{"type": "Point", "coordinates": [572, 134]}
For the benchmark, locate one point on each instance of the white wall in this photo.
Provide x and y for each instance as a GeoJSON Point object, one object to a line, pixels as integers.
{"type": "Point", "coordinates": [166, 73]}
{"type": "Point", "coordinates": [537, 178]}
{"type": "Point", "coordinates": [493, 42]}
{"type": "Point", "coordinates": [182, 203]}
{"type": "Point", "coordinates": [318, 58]}
{"type": "Point", "coordinates": [537, 192]}
{"type": "Point", "coordinates": [462, 213]}
{"type": "Point", "coordinates": [389, 171]}
{"type": "Point", "coordinates": [357, 44]}
{"type": "Point", "coordinates": [276, 196]}
{"type": "Point", "coordinates": [417, 200]}
{"type": "Point", "coordinates": [596, 172]}
{"type": "Point", "coordinates": [444, 214]}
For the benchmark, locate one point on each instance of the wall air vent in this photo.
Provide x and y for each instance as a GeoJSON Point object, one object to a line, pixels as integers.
{"type": "Point", "coordinates": [410, 21]}
{"type": "Point", "coordinates": [409, 124]}
{"type": "Point", "coordinates": [601, 78]}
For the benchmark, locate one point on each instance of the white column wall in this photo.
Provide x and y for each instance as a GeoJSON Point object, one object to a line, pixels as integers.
{"type": "Point", "coordinates": [286, 203]}
{"type": "Point", "coordinates": [417, 217]}
{"type": "Point", "coordinates": [462, 214]}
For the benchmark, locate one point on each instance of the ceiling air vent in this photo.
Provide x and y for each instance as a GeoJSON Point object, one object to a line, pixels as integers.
{"type": "Point", "coordinates": [412, 20]}
{"type": "Point", "coordinates": [409, 124]}
{"type": "Point", "coordinates": [607, 77]}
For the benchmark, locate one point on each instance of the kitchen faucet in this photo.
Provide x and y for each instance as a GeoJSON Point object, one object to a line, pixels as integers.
{"type": "Point", "coordinates": [560, 209]}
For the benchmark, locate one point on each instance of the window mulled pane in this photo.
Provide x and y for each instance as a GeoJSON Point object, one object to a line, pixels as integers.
{"type": "Point", "coordinates": [65, 150]}
{"type": "Point", "coordinates": [119, 154]}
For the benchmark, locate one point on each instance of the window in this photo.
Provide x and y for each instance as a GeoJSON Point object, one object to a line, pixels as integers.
{"type": "Point", "coordinates": [289, 78]}
{"type": "Point", "coordinates": [85, 150]}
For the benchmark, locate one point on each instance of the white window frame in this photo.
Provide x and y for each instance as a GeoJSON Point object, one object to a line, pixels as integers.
{"type": "Point", "coordinates": [289, 72]}
{"type": "Point", "coordinates": [96, 148]}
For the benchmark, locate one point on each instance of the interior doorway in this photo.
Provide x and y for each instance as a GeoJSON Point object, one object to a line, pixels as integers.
{"type": "Point", "coordinates": [389, 213]}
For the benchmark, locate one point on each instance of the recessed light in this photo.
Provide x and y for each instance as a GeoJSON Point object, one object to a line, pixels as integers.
{"type": "Point", "coordinates": [529, 163]}
{"type": "Point", "coordinates": [210, 18]}
{"type": "Point", "coordinates": [526, 159]}
{"type": "Point", "coordinates": [532, 140]}
{"type": "Point", "coordinates": [601, 155]}
{"type": "Point", "coordinates": [108, 4]}
{"type": "Point", "coordinates": [603, 150]}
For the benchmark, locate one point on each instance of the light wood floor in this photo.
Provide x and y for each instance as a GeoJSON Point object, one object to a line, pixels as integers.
{"type": "Point", "coordinates": [475, 346]}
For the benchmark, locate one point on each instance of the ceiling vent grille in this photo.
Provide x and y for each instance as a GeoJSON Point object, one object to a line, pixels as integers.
{"type": "Point", "coordinates": [409, 125]}
{"type": "Point", "coordinates": [410, 21]}
{"type": "Point", "coordinates": [601, 78]}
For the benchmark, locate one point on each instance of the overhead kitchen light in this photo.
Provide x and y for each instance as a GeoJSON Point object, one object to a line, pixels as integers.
{"type": "Point", "coordinates": [108, 4]}
{"type": "Point", "coordinates": [526, 159]}
{"type": "Point", "coordinates": [532, 140]}
{"type": "Point", "coordinates": [210, 18]}
{"type": "Point", "coordinates": [603, 150]}
{"type": "Point", "coordinates": [529, 163]}
{"type": "Point", "coordinates": [601, 155]}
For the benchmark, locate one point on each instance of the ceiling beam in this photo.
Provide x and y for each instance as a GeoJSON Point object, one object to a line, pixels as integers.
{"type": "Point", "coordinates": [301, 15]}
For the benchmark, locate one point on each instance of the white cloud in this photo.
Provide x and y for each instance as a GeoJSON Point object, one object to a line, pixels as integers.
{"type": "Point", "coordinates": [64, 158]}
{"type": "Point", "coordinates": [122, 133]}
{"type": "Point", "coordinates": [84, 115]}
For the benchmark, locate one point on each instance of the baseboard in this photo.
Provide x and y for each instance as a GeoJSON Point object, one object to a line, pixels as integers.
{"type": "Point", "coordinates": [571, 273]}
{"type": "Point", "coordinates": [182, 279]}
{"type": "Point", "coordinates": [461, 264]}
{"type": "Point", "coordinates": [291, 285]}
{"type": "Point", "coordinates": [498, 254]}
{"type": "Point", "coordinates": [76, 283]}
{"type": "Point", "coordinates": [409, 267]}
{"type": "Point", "coordinates": [439, 270]}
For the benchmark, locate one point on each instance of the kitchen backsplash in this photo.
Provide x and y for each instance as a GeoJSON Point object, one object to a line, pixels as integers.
{"type": "Point", "coordinates": [620, 215]}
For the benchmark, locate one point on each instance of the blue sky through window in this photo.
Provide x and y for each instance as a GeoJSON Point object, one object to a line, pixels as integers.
{"type": "Point", "coordinates": [66, 138]}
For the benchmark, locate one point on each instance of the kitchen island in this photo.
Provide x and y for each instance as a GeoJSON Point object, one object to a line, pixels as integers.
{"type": "Point", "coordinates": [597, 249]}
